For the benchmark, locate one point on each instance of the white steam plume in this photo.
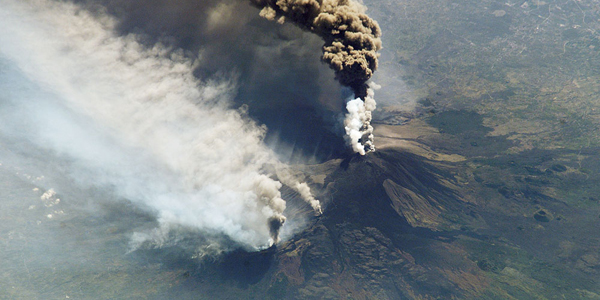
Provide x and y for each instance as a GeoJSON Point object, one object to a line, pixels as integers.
{"type": "Point", "coordinates": [358, 122]}
{"type": "Point", "coordinates": [137, 121]}
{"type": "Point", "coordinates": [304, 190]}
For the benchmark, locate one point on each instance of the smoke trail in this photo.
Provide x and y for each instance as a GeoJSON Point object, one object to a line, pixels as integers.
{"type": "Point", "coordinates": [136, 120]}
{"type": "Point", "coordinates": [285, 175]}
{"type": "Point", "coordinates": [352, 40]}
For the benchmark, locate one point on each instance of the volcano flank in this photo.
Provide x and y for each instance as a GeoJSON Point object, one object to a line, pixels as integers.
{"type": "Point", "coordinates": [386, 233]}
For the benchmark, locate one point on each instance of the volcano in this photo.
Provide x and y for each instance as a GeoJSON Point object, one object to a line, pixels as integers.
{"type": "Point", "coordinates": [387, 233]}
{"type": "Point", "coordinates": [185, 149]}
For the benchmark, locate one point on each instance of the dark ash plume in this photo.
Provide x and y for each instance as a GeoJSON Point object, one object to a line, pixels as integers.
{"type": "Point", "coordinates": [352, 39]}
{"type": "Point", "coordinates": [275, 224]}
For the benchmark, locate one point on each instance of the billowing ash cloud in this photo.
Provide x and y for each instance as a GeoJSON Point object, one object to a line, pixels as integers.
{"type": "Point", "coordinates": [137, 121]}
{"type": "Point", "coordinates": [352, 40]}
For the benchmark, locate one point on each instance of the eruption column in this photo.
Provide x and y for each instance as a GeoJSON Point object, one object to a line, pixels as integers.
{"type": "Point", "coordinates": [352, 40]}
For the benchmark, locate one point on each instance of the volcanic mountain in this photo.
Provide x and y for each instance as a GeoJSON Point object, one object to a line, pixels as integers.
{"type": "Point", "coordinates": [387, 233]}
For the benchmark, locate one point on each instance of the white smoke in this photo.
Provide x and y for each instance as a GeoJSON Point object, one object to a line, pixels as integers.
{"type": "Point", "coordinates": [285, 175]}
{"type": "Point", "coordinates": [137, 120]}
{"type": "Point", "coordinates": [358, 122]}
{"type": "Point", "coordinates": [304, 190]}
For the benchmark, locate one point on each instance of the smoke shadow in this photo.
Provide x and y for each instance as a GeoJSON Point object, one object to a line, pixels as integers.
{"type": "Point", "coordinates": [275, 69]}
{"type": "Point", "coordinates": [239, 268]}
{"type": "Point", "coordinates": [246, 268]}
{"type": "Point", "coordinates": [299, 135]}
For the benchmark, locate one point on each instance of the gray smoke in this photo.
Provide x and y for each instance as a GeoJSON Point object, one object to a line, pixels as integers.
{"type": "Point", "coordinates": [285, 175]}
{"type": "Point", "coordinates": [136, 120]}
